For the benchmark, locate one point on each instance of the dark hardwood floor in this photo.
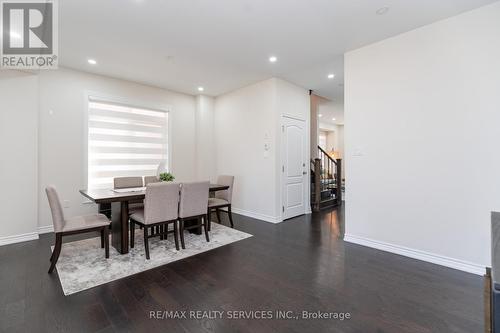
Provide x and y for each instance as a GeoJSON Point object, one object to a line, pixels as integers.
{"type": "Point", "coordinates": [301, 264]}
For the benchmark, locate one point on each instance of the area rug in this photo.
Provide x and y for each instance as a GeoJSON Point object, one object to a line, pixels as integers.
{"type": "Point", "coordinates": [82, 265]}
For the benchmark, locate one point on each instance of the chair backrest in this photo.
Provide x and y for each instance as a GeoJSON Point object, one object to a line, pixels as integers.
{"type": "Point", "coordinates": [194, 199]}
{"type": "Point", "coordinates": [55, 208]}
{"type": "Point", "coordinates": [126, 182]}
{"type": "Point", "coordinates": [226, 194]}
{"type": "Point", "coordinates": [161, 203]}
{"type": "Point", "coordinates": [150, 179]}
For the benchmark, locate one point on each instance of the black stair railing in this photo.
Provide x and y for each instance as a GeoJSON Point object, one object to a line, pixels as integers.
{"type": "Point", "coordinates": [326, 182]}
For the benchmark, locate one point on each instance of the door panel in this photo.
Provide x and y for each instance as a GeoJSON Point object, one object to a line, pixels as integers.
{"type": "Point", "coordinates": [294, 167]}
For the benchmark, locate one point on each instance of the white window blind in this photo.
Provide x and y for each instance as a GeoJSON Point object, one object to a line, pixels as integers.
{"type": "Point", "coordinates": [124, 141]}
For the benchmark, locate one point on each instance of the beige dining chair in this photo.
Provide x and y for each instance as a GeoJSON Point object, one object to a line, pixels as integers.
{"type": "Point", "coordinates": [130, 182]}
{"type": "Point", "coordinates": [74, 225]}
{"type": "Point", "coordinates": [161, 205]}
{"type": "Point", "coordinates": [222, 199]}
{"type": "Point", "coordinates": [150, 179]}
{"type": "Point", "coordinates": [193, 206]}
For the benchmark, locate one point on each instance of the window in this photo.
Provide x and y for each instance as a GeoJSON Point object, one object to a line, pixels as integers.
{"type": "Point", "coordinates": [124, 141]}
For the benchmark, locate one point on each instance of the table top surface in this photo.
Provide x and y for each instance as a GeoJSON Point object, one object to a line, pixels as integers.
{"type": "Point", "coordinates": [108, 195]}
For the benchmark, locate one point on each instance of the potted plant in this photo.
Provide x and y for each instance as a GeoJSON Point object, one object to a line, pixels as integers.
{"type": "Point", "coordinates": [166, 177]}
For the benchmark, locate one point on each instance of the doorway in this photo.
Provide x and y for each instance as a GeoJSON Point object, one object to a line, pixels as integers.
{"type": "Point", "coordinates": [295, 167]}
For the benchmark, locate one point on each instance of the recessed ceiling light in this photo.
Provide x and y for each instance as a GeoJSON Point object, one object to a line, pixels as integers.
{"type": "Point", "coordinates": [92, 61]}
{"type": "Point", "coordinates": [320, 115]}
{"type": "Point", "coordinates": [331, 76]}
{"type": "Point", "coordinates": [334, 119]}
{"type": "Point", "coordinates": [382, 11]}
{"type": "Point", "coordinates": [273, 59]}
{"type": "Point", "coordinates": [201, 88]}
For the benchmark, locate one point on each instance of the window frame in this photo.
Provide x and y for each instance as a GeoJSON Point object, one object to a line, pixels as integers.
{"type": "Point", "coordinates": [135, 103]}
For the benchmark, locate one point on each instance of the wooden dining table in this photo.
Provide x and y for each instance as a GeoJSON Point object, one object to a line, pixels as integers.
{"type": "Point", "coordinates": [119, 202]}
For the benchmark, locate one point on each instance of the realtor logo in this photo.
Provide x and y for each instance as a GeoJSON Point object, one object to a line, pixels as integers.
{"type": "Point", "coordinates": [29, 34]}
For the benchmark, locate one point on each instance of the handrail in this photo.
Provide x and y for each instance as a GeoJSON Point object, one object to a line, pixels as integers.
{"type": "Point", "coordinates": [324, 152]}
{"type": "Point", "coordinates": [325, 170]}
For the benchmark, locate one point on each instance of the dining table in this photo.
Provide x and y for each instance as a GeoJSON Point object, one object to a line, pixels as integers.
{"type": "Point", "coordinates": [119, 210]}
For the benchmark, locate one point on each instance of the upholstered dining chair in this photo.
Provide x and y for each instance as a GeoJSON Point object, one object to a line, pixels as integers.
{"type": "Point", "coordinates": [161, 206]}
{"type": "Point", "coordinates": [193, 206]}
{"type": "Point", "coordinates": [222, 200]}
{"type": "Point", "coordinates": [127, 182]}
{"type": "Point", "coordinates": [150, 179]}
{"type": "Point", "coordinates": [130, 182]}
{"type": "Point", "coordinates": [74, 225]}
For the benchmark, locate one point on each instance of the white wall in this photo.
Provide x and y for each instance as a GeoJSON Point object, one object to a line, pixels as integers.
{"type": "Point", "coordinates": [422, 136]}
{"type": "Point", "coordinates": [246, 120]}
{"type": "Point", "coordinates": [205, 138]}
{"type": "Point", "coordinates": [62, 126]}
{"type": "Point", "coordinates": [18, 156]}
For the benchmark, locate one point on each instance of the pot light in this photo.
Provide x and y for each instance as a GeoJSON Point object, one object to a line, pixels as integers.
{"type": "Point", "coordinates": [201, 89]}
{"type": "Point", "coordinates": [320, 115]}
{"type": "Point", "coordinates": [273, 59]}
{"type": "Point", "coordinates": [334, 119]}
{"type": "Point", "coordinates": [92, 61]}
{"type": "Point", "coordinates": [331, 76]}
{"type": "Point", "coordinates": [382, 11]}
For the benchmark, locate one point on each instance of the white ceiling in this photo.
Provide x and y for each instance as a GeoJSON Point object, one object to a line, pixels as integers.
{"type": "Point", "coordinates": [331, 112]}
{"type": "Point", "coordinates": [225, 44]}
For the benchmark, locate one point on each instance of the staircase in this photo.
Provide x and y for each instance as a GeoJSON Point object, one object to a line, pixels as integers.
{"type": "Point", "coordinates": [326, 181]}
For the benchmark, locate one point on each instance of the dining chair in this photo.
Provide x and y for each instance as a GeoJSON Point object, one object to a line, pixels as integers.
{"type": "Point", "coordinates": [74, 225]}
{"type": "Point", "coordinates": [127, 182]}
{"type": "Point", "coordinates": [193, 205]}
{"type": "Point", "coordinates": [222, 199]}
{"type": "Point", "coordinates": [161, 205]}
{"type": "Point", "coordinates": [150, 179]}
{"type": "Point", "coordinates": [130, 182]}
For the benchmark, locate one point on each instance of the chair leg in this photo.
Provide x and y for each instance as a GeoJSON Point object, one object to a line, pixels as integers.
{"type": "Point", "coordinates": [176, 238]}
{"type": "Point", "coordinates": [205, 227]}
{"type": "Point", "coordinates": [56, 253]}
{"type": "Point", "coordinates": [132, 234]}
{"type": "Point", "coordinates": [217, 211]}
{"type": "Point", "coordinates": [102, 239]}
{"type": "Point", "coordinates": [106, 241]}
{"type": "Point", "coordinates": [209, 220]}
{"type": "Point", "coordinates": [146, 241]}
{"type": "Point", "coordinates": [181, 232]}
{"type": "Point", "coordinates": [230, 216]}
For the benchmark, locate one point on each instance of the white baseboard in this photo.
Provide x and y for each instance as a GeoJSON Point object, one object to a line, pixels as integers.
{"type": "Point", "coordinates": [262, 217]}
{"type": "Point", "coordinates": [46, 229]}
{"type": "Point", "coordinates": [417, 254]}
{"type": "Point", "coordinates": [18, 238]}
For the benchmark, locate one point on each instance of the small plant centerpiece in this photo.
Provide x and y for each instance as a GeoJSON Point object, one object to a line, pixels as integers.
{"type": "Point", "coordinates": [166, 177]}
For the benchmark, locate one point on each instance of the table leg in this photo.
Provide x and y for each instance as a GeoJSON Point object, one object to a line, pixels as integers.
{"type": "Point", "coordinates": [119, 228]}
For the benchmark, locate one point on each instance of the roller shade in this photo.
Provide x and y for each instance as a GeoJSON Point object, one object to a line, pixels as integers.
{"type": "Point", "coordinates": [124, 141]}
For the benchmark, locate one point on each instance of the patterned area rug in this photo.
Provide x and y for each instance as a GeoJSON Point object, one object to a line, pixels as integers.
{"type": "Point", "coordinates": [82, 265]}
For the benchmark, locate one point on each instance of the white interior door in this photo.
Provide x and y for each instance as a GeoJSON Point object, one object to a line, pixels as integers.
{"type": "Point", "coordinates": [294, 167]}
